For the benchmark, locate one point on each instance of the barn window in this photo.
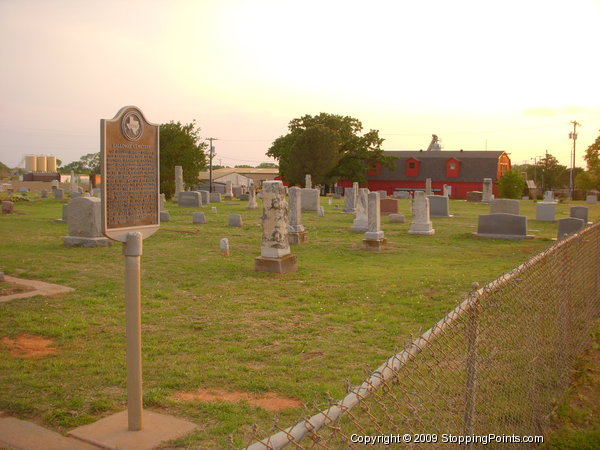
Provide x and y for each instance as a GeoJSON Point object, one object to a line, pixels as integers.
{"type": "Point", "coordinates": [452, 168]}
{"type": "Point", "coordinates": [412, 167]}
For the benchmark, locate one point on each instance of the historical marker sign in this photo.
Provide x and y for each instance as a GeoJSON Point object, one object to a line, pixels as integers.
{"type": "Point", "coordinates": [130, 175]}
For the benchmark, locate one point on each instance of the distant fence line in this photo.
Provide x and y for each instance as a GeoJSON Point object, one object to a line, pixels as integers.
{"type": "Point", "coordinates": [498, 363]}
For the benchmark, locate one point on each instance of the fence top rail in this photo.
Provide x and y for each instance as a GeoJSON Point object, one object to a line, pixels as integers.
{"type": "Point", "coordinates": [388, 369]}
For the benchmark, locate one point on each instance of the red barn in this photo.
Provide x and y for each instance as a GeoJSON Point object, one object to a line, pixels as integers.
{"type": "Point", "coordinates": [463, 170]}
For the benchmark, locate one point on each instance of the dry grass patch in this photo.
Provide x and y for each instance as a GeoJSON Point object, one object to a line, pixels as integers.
{"type": "Point", "coordinates": [268, 401]}
{"type": "Point", "coordinates": [29, 346]}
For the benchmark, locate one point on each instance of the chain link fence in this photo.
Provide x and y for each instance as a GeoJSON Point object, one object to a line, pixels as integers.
{"type": "Point", "coordinates": [498, 363]}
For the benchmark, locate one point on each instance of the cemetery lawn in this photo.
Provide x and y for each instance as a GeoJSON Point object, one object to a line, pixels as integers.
{"type": "Point", "coordinates": [210, 321]}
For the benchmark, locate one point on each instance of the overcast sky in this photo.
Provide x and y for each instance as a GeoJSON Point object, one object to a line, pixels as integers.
{"type": "Point", "coordinates": [503, 75]}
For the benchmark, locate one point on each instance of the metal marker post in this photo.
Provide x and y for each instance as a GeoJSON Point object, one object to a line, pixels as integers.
{"type": "Point", "coordinates": [132, 249]}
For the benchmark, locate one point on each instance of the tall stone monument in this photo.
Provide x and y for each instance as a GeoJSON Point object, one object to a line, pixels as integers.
{"type": "Point", "coordinates": [350, 195]}
{"type": "Point", "coordinates": [420, 215]}
{"type": "Point", "coordinates": [296, 231]}
{"type": "Point", "coordinates": [428, 189]}
{"type": "Point", "coordinates": [73, 187]}
{"type": "Point", "coordinates": [178, 182]}
{"type": "Point", "coordinates": [252, 198]}
{"type": "Point", "coordinates": [374, 237]}
{"type": "Point", "coordinates": [228, 190]}
{"type": "Point", "coordinates": [361, 217]}
{"type": "Point", "coordinates": [487, 195]}
{"type": "Point", "coordinates": [275, 255]}
{"type": "Point", "coordinates": [308, 181]}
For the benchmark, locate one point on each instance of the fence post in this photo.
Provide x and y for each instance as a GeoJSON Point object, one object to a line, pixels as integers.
{"type": "Point", "coordinates": [472, 329]}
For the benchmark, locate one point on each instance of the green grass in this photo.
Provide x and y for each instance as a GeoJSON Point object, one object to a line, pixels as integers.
{"type": "Point", "coordinates": [577, 421]}
{"type": "Point", "coordinates": [212, 321]}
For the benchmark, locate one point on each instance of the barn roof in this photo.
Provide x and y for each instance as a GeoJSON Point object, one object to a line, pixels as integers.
{"type": "Point", "coordinates": [475, 165]}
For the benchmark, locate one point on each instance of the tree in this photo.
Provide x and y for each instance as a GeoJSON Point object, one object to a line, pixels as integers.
{"type": "Point", "coordinates": [592, 158]}
{"type": "Point", "coordinates": [179, 147]}
{"type": "Point", "coordinates": [89, 164]}
{"type": "Point", "coordinates": [511, 185]}
{"type": "Point", "coordinates": [586, 181]}
{"type": "Point", "coordinates": [549, 173]}
{"type": "Point", "coordinates": [316, 152]}
{"type": "Point", "coordinates": [357, 153]}
{"type": "Point", "coordinates": [267, 165]}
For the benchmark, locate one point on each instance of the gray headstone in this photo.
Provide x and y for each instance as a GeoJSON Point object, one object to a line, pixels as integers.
{"type": "Point", "coordinates": [235, 220]}
{"type": "Point", "coordinates": [8, 207]}
{"type": "Point", "coordinates": [198, 218]}
{"type": "Point", "coordinates": [165, 216]}
{"type": "Point", "coordinates": [474, 196]}
{"type": "Point", "coordinates": [215, 197]}
{"type": "Point", "coordinates": [549, 197]}
{"type": "Point", "coordinates": [487, 194]}
{"type": "Point", "coordinates": [505, 205]}
{"type": "Point", "coordinates": [65, 212]}
{"type": "Point", "coordinates": [350, 197]}
{"type": "Point", "coordinates": [237, 192]}
{"type": "Point", "coordinates": [545, 212]}
{"type": "Point", "coordinates": [374, 231]}
{"type": "Point", "coordinates": [44, 193]}
{"type": "Point", "coordinates": [428, 189]}
{"type": "Point", "coordinates": [190, 199]}
{"type": "Point", "coordinates": [361, 217]}
{"type": "Point", "coordinates": [85, 223]}
{"type": "Point", "coordinates": [591, 199]}
{"type": "Point", "coordinates": [581, 212]}
{"type": "Point", "coordinates": [163, 202]}
{"type": "Point", "coordinates": [59, 194]}
{"type": "Point", "coordinates": [420, 223]}
{"type": "Point", "coordinates": [205, 197]}
{"type": "Point", "coordinates": [310, 199]}
{"type": "Point", "coordinates": [84, 217]}
{"type": "Point", "coordinates": [438, 206]}
{"type": "Point", "coordinates": [321, 211]}
{"type": "Point", "coordinates": [402, 194]}
{"type": "Point", "coordinates": [396, 218]}
{"type": "Point", "coordinates": [569, 225]}
{"type": "Point", "coordinates": [295, 210]}
{"type": "Point", "coordinates": [23, 189]}
{"type": "Point", "coordinates": [502, 226]}
{"type": "Point", "coordinates": [382, 194]}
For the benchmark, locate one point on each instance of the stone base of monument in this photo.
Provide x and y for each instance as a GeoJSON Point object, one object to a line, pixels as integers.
{"type": "Point", "coordinates": [374, 244]}
{"type": "Point", "coordinates": [284, 264]}
{"type": "Point", "coordinates": [112, 432]}
{"type": "Point", "coordinates": [228, 197]}
{"type": "Point", "coordinates": [298, 238]}
{"type": "Point", "coordinates": [421, 228]}
{"type": "Point", "coordinates": [79, 241]}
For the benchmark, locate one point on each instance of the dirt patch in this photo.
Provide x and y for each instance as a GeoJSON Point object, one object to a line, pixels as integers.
{"type": "Point", "coordinates": [11, 288]}
{"type": "Point", "coordinates": [268, 401]}
{"type": "Point", "coordinates": [29, 346]}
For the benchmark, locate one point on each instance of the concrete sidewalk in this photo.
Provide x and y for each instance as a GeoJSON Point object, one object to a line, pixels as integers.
{"type": "Point", "coordinates": [18, 434]}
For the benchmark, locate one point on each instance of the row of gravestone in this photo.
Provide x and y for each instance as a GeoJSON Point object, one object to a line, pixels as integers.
{"type": "Point", "coordinates": [83, 216]}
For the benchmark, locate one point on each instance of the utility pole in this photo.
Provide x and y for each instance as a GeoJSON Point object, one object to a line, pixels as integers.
{"type": "Point", "coordinates": [211, 155]}
{"type": "Point", "coordinates": [573, 135]}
